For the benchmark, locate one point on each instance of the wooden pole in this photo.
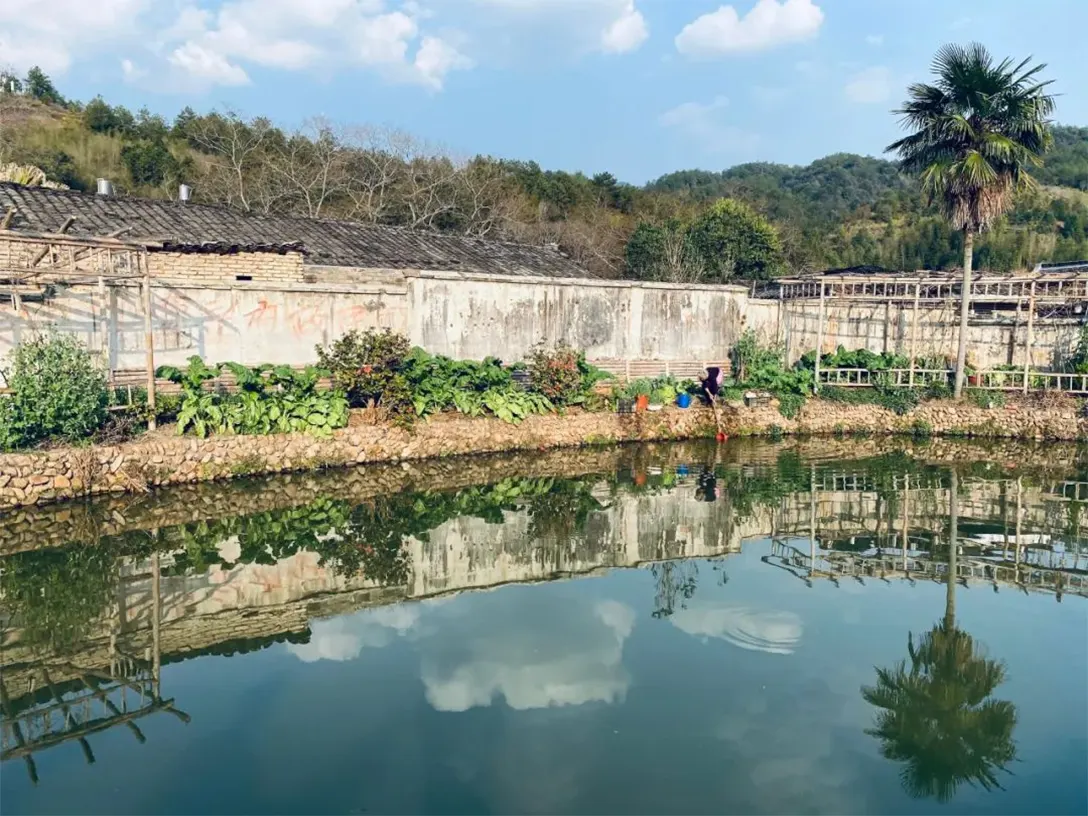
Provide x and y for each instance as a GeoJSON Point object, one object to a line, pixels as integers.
{"type": "Point", "coordinates": [819, 337]}
{"type": "Point", "coordinates": [148, 342]}
{"type": "Point", "coordinates": [1027, 341]}
{"type": "Point", "coordinates": [812, 521]}
{"type": "Point", "coordinates": [914, 330]}
{"type": "Point", "coordinates": [156, 618]}
{"type": "Point", "coordinates": [1016, 565]}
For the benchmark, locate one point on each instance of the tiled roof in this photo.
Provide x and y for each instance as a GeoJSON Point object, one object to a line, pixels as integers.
{"type": "Point", "coordinates": [331, 243]}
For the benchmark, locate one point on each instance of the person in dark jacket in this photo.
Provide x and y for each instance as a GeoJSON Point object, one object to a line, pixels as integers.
{"type": "Point", "coordinates": [712, 386]}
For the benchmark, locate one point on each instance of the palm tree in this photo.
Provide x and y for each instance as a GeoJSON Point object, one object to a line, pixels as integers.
{"type": "Point", "coordinates": [935, 714]}
{"type": "Point", "coordinates": [976, 132]}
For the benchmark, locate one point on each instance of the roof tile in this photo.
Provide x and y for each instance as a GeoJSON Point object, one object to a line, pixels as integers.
{"type": "Point", "coordinates": [327, 243]}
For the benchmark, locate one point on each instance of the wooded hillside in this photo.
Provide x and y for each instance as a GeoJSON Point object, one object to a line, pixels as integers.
{"type": "Point", "coordinates": [841, 210]}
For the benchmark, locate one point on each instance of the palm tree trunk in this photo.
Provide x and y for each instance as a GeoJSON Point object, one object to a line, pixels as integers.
{"type": "Point", "coordinates": [953, 545]}
{"type": "Point", "coordinates": [965, 308]}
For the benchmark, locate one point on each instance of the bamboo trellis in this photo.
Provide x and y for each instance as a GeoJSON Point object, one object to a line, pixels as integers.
{"type": "Point", "coordinates": [29, 261]}
{"type": "Point", "coordinates": [1024, 292]}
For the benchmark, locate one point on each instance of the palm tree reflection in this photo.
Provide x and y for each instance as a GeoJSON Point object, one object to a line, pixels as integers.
{"type": "Point", "coordinates": [935, 712]}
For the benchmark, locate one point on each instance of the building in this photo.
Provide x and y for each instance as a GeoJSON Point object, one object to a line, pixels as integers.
{"type": "Point", "coordinates": [253, 288]}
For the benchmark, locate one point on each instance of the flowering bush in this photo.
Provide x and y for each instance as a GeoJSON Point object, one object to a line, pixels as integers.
{"type": "Point", "coordinates": [562, 374]}
{"type": "Point", "coordinates": [366, 366]}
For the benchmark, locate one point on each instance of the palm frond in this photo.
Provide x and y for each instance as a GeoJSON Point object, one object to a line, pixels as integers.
{"type": "Point", "coordinates": [975, 132]}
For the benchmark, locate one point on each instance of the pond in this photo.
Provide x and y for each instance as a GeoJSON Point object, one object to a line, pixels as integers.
{"type": "Point", "coordinates": [683, 628]}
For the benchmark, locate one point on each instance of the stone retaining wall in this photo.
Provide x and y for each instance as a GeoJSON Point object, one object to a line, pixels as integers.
{"type": "Point", "coordinates": [162, 458]}
{"type": "Point", "coordinates": [1046, 417]}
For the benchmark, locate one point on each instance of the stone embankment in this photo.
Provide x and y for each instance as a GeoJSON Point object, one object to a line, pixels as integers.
{"type": "Point", "coordinates": [162, 458]}
{"type": "Point", "coordinates": [1047, 417]}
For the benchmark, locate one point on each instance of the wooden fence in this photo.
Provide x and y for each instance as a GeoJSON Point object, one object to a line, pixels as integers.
{"type": "Point", "coordinates": [990, 380]}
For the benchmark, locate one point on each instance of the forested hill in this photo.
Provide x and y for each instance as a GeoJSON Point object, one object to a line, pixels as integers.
{"type": "Point", "coordinates": [830, 188]}
{"type": "Point", "coordinates": [752, 220]}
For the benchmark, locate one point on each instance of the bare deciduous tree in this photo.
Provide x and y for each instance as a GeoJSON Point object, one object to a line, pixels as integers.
{"type": "Point", "coordinates": [235, 172]}
{"type": "Point", "coordinates": [375, 167]}
{"type": "Point", "coordinates": [313, 165]}
{"type": "Point", "coordinates": [680, 262]}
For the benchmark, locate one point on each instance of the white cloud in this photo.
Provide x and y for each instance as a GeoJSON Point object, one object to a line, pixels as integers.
{"type": "Point", "coordinates": [870, 86]}
{"type": "Point", "coordinates": [341, 639]}
{"type": "Point", "coordinates": [761, 631]}
{"type": "Point", "coordinates": [610, 26]}
{"type": "Point", "coordinates": [626, 33]}
{"type": "Point", "coordinates": [770, 23]}
{"type": "Point", "coordinates": [875, 39]}
{"type": "Point", "coordinates": [325, 35]}
{"type": "Point", "coordinates": [705, 124]}
{"type": "Point", "coordinates": [53, 33]}
{"type": "Point", "coordinates": [692, 113]}
{"type": "Point", "coordinates": [199, 62]}
{"type": "Point", "coordinates": [570, 655]}
{"type": "Point", "coordinates": [436, 58]}
{"type": "Point", "coordinates": [131, 71]}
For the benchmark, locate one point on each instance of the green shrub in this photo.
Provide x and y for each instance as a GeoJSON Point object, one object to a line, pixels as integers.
{"type": "Point", "coordinates": [640, 387]}
{"type": "Point", "coordinates": [472, 388]}
{"type": "Point", "coordinates": [936, 390]}
{"type": "Point", "coordinates": [272, 399]}
{"type": "Point", "coordinates": [860, 358]}
{"type": "Point", "coordinates": [57, 392]}
{"type": "Point", "coordinates": [896, 400]}
{"type": "Point", "coordinates": [790, 405]}
{"type": "Point", "coordinates": [921, 429]}
{"type": "Point", "coordinates": [439, 383]}
{"type": "Point", "coordinates": [986, 399]}
{"type": "Point", "coordinates": [562, 374]}
{"type": "Point", "coordinates": [366, 367]}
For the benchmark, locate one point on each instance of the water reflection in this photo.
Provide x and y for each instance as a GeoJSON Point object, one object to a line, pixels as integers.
{"type": "Point", "coordinates": [88, 623]}
{"type": "Point", "coordinates": [937, 716]}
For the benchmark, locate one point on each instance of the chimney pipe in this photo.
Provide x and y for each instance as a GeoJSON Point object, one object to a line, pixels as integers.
{"type": "Point", "coordinates": [185, 192]}
{"type": "Point", "coordinates": [104, 187]}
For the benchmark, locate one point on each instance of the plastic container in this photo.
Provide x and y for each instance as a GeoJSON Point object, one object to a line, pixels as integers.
{"type": "Point", "coordinates": [683, 400]}
{"type": "Point", "coordinates": [642, 402]}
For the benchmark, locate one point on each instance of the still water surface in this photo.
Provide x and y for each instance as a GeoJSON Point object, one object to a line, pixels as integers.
{"type": "Point", "coordinates": [677, 629]}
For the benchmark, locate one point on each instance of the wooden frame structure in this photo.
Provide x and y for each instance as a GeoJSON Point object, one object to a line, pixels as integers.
{"type": "Point", "coordinates": [96, 699]}
{"type": "Point", "coordinates": [29, 261]}
{"type": "Point", "coordinates": [1024, 292]}
{"type": "Point", "coordinates": [894, 555]}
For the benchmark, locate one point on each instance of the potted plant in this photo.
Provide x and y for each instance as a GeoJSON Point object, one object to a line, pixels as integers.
{"type": "Point", "coordinates": [640, 390]}
{"type": "Point", "coordinates": [661, 396]}
{"type": "Point", "coordinates": [970, 369]}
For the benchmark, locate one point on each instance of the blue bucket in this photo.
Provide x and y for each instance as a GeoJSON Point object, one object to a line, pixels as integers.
{"type": "Point", "coordinates": [683, 400]}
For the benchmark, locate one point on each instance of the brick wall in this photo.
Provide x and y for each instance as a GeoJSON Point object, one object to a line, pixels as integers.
{"type": "Point", "coordinates": [257, 266]}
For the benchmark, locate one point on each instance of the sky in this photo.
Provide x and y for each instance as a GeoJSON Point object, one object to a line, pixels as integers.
{"type": "Point", "coordinates": [635, 87]}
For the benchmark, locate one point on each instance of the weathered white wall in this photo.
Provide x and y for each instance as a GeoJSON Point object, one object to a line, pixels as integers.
{"type": "Point", "coordinates": [245, 322]}
{"type": "Point", "coordinates": [474, 316]}
{"type": "Point", "coordinates": [460, 316]}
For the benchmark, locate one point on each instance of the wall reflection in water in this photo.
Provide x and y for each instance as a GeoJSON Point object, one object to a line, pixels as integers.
{"type": "Point", "coordinates": [89, 618]}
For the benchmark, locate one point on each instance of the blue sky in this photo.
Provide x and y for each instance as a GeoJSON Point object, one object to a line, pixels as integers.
{"type": "Point", "coordinates": [636, 87]}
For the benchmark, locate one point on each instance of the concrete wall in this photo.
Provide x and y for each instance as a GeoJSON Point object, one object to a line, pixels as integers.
{"type": "Point", "coordinates": [267, 307]}
{"type": "Point", "coordinates": [466, 317]}
{"type": "Point", "coordinates": [474, 316]}
{"type": "Point", "coordinates": [247, 322]}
